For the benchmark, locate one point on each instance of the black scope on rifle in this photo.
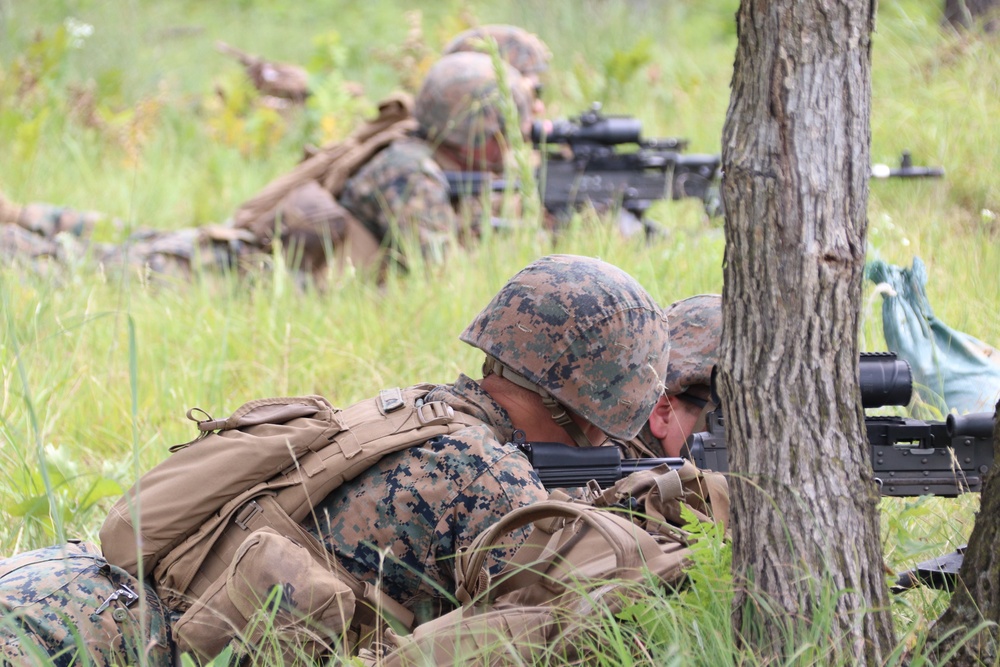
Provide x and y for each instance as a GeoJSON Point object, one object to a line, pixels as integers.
{"type": "Point", "coordinates": [885, 380]}
{"type": "Point", "coordinates": [976, 425]}
{"type": "Point", "coordinates": [595, 129]}
{"type": "Point", "coordinates": [590, 128]}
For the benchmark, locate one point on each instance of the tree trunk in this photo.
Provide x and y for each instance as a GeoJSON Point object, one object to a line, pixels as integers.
{"type": "Point", "coordinates": [796, 164]}
{"type": "Point", "coordinates": [977, 593]}
{"type": "Point", "coordinates": [964, 14]}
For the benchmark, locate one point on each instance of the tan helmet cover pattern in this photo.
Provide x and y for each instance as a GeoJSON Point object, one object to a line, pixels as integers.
{"type": "Point", "coordinates": [459, 103]}
{"type": "Point", "coordinates": [584, 331]}
{"type": "Point", "coordinates": [523, 50]}
{"type": "Point", "coordinates": [695, 336]}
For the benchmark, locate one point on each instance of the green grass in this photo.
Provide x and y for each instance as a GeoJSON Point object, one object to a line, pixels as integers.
{"type": "Point", "coordinates": [97, 370]}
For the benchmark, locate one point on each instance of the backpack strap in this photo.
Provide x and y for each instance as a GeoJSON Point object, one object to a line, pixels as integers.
{"type": "Point", "coordinates": [361, 435]}
{"type": "Point", "coordinates": [333, 164]}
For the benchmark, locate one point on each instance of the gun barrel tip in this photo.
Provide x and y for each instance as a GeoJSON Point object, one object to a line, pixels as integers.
{"type": "Point", "coordinates": [881, 171]}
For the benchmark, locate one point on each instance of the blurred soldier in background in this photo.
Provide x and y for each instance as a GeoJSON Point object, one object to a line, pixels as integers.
{"type": "Point", "coordinates": [402, 193]}
{"type": "Point", "coordinates": [384, 187]}
{"type": "Point", "coordinates": [360, 201]}
{"type": "Point", "coordinates": [47, 220]}
{"type": "Point", "coordinates": [523, 50]}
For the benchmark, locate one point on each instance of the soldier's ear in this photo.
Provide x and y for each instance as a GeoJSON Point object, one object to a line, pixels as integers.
{"type": "Point", "coordinates": [660, 417]}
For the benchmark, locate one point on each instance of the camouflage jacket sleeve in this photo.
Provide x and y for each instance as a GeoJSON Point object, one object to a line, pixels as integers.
{"type": "Point", "coordinates": [403, 520]}
{"type": "Point", "coordinates": [402, 193]}
{"type": "Point", "coordinates": [68, 605]}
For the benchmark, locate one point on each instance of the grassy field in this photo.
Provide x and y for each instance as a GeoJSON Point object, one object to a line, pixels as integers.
{"type": "Point", "coordinates": [125, 107]}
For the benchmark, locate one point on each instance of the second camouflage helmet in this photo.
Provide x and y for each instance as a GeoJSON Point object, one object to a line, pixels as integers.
{"type": "Point", "coordinates": [583, 331]}
{"type": "Point", "coordinates": [523, 50]}
{"type": "Point", "coordinates": [695, 336]}
{"type": "Point", "coordinates": [460, 104]}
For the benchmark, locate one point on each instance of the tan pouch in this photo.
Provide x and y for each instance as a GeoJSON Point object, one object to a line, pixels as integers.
{"type": "Point", "coordinates": [470, 636]}
{"type": "Point", "coordinates": [309, 613]}
{"type": "Point", "coordinates": [576, 561]}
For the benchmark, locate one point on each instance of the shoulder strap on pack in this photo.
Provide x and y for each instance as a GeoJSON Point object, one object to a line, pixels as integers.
{"type": "Point", "coordinates": [363, 434]}
{"type": "Point", "coordinates": [632, 547]}
{"type": "Point", "coordinates": [332, 164]}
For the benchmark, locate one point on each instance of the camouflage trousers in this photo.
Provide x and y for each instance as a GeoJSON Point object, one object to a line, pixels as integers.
{"type": "Point", "coordinates": [66, 605]}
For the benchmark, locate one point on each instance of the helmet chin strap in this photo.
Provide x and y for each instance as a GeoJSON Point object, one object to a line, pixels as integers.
{"type": "Point", "coordinates": [560, 414]}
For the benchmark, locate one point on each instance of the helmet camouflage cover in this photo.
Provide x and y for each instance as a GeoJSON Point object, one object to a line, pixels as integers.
{"type": "Point", "coordinates": [584, 331]}
{"type": "Point", "coordinates": [522, 49]}
{"type": "Point", "coordinates": [460, 104]}
{"type": "Point", "coordinates": [695, 336]}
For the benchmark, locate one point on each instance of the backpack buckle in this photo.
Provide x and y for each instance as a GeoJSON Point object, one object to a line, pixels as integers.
{"type": "Point", "coordinates": [249, 511]}
{"type": "Point", "coordinates": [435, 413]}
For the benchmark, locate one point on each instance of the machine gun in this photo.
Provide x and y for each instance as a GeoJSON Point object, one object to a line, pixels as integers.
{"type": "Point", "coordinates": [910, 457]}
{"type": "Point", "coordinates": [604, 160]}
{"type": "Point", "coordinates": [906, 169]}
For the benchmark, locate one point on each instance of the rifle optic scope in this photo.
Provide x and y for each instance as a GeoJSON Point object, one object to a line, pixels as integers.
{"type": "Point", "coordinates": [589, 129]}
{"type": "Point", "coordinates": [885, 380]}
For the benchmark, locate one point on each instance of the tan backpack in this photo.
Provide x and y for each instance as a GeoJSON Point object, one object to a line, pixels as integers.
{"type": "Point", "coordinates": [578, 560]}
{"type": "Point", "coordinates": [211, 521]}
{"type": "Point", "coordinates": [331, 165]}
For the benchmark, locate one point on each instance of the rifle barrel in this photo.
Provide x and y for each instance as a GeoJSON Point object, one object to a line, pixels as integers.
{"type": "Point", "coordinates": [976, 425]}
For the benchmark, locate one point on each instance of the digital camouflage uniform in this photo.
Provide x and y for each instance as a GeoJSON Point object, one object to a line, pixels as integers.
{"type": "Point", "coordinates": [420, 505]}
{"type": "Point", "coordinates": [181, 253]}
{"type": "Point", "coordinates": [17, 242]}
{"type": "Point", "coordinates": [400, 190]}
{"type": "Point", "coordinates": [47, 220]}
{"type": "Point", "coordinates": [695, 337]}
{"type": "Point", "coordinates": [50, 611]}
{"type": "Point", "coordinates": [579, 331]}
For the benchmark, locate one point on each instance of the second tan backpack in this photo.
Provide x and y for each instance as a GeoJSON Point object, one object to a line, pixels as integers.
{"type": "Point", "coordinates": [580, 561]}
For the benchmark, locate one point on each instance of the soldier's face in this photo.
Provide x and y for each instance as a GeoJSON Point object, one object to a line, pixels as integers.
{"type": "Point", "coordinates": [672, 421]}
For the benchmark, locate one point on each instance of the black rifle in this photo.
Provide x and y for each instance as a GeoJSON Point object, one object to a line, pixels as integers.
{"type": "Point", "coordinates": [561, 466]}
{"type": "Point", "coordinates": [906, 169]}
{"type": "Point", "coordinates": [605, 161]}
{"type": "Point", "coordinates": [910, 457]}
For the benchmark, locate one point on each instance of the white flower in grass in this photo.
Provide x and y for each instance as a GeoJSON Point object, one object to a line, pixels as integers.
{"type": "Point", "coordinates": [78, 32]}
{"type": "Point", "coordinates": [60, 458]}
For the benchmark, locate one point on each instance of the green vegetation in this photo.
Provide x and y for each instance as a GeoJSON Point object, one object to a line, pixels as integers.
{"type": "Point", "coordinates": [139, 117]}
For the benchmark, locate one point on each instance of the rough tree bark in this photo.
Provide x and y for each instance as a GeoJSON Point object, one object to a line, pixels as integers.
{"type": "Point", "coordinates": [977, 593]}
{"type": "Point", "coordinates": [795, 189]}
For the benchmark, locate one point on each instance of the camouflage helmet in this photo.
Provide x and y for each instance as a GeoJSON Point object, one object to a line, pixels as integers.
{"type": "Point", "coordinates": [460, 105]}
{"type": "Point", "coordinates": [695, 336]}
{"type": "Point", "coordinates": [582, 332]}
{"type": "Point", "coordinates": [523, 50]}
